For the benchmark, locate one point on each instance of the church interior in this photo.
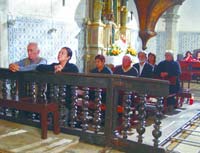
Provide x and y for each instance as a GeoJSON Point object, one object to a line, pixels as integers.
{"type": "Point", "coordinates": [99, 76]}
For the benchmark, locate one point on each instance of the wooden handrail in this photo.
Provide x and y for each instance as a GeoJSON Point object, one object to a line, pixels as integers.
{"type": "Point", "coordinates": [56, 86]}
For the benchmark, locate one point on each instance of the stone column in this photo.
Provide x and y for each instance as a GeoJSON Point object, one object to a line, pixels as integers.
{"type": "Point", "coordinates": [171, 19]}
{"type": "Point", "coordinates": [3, 34]}
{"type": "Point", "coordinates": [94, 43]}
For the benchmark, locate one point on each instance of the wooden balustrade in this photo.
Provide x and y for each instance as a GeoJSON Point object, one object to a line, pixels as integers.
{"type": "Point", "coordinates": [103, 119]}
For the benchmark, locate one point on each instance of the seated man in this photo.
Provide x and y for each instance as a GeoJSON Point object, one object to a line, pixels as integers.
{"type": "Point", "coordinates": [100, 65]}
{"type": "Point", "coordinates": [31, 62]}
{"type": "Point", "coordinates": [126, 68]}
{"type": "Point", "coordinates": [143, 67]}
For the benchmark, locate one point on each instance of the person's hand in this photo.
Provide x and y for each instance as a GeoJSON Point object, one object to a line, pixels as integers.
{"type": "Point", "coordinates": [14, 67]}
{"type": "Point", "coordinates": [163, 74]}
{"type": "Point", "coordinates": [58, 68]}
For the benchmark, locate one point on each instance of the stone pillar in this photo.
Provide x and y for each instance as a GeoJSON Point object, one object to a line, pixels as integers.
{"type": "Point", "coordinates": [3, 34]}
{"type": "Point", "coordinates": [94, 36]}
{"type": "Point", "coordinates": [171, 19]}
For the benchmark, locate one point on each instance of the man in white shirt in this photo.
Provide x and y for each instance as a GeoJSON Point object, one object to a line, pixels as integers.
{"type": "Point", "coordinates": [143, 67]}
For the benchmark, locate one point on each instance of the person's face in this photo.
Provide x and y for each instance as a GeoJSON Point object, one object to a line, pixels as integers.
{"type": "Point", "coordinates": [126, 62]}
{"type": "Point", "coordinates": [33, 51]}
{"type": "Point", "coordinates": [63, 56]}
{"type": "Point", "coordinates": [142, 57]}
{"type": "Point", "coordinates": [151, 59]}
{"type": "Point", "coordinates": [99, 64]}
{"type": "Point", "coordinates": [168, 57]}
{"type": "Point", "coordinates": [198, 56]}
{"type": "Point", "coordinates": [189, 54]}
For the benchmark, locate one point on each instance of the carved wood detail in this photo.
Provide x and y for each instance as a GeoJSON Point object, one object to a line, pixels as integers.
{"type": "Point", "coordinates": [149, 11]}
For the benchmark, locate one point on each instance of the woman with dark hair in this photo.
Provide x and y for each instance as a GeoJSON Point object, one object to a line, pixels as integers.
{"type": "Point", "coordinates": [188, 57]}
{"type": "Point", "coordinates": [100, 65]}
{"type": "Point", "coordinates": [64, 57]}
{"type": "Point", "coordinates": [198, 55]}
{"type": "Point", "coordinates": [152, 60]}
{"type": "Point", "coordinates": [170, 70]}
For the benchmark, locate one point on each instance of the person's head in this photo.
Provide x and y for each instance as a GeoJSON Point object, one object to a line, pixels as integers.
{"type": "Point", "coordinates": [99, 61]}
{"type": "Point", "coordinates": [126, 61]}
{"type": "Point", "coordinates": [142, 56]}
{"type": "Point", "coordinates": [33, 51]}
{"type": "Point", "coordinates": [169, 56]}
{"type": "Point", "coordinates": [198, 55]}
{"type": "Point", "coordinates": [152, 58]}
{"type": "Point", "coordinates": [188, 53]}
{"type": "Point", "coordinates": [64, 54]}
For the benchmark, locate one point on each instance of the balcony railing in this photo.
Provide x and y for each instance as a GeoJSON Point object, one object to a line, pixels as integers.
{"type": "Point", "coordinates": [101, 109]}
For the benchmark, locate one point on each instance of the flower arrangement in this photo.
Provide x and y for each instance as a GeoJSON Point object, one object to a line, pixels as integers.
{"type": "Point", "coordinates": [131, 51]}
{"type": "Point", "coordinates": [114, 50]}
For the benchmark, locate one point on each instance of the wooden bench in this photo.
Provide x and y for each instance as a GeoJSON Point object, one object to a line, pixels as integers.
{"type": "Point", "coordinates": [43, 109]}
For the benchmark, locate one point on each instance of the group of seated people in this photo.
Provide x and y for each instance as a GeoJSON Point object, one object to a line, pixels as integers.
{"type": "Point", "coordinates": [146, 66]}
{"type": "Point", "coordinates": [189, 57]}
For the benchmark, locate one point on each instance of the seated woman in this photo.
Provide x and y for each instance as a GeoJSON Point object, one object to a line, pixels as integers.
{"type": "Point", "coordinates": [170, 70]}
{"type": "Point", "coordinates": [64, 57]}
{"type": "Point", "coordinates": [188, 57]}
{"type": "Point", "coordinates": [152, 60]}
{"type": "Point", "coordinates": [100, 65]}
{"type": "Point", "coordinates": [63, 65]}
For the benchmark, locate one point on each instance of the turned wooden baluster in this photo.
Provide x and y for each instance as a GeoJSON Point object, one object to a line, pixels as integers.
{"type": "Point", "coordinates": [97, 114]}
{"type": "Point", "coordinates": [62, 105]}
{"type": "Point", "coordinates": [33, 92]}
{"type": "Point", "coordinates": [42, 92]}
{"type": "Point", "coordinates": [54, 93]}
{"type": "Point", "coordinates": [13, 89]}
{"type": "Point", "coordinates": [156, 132]}
{"type": "Point", "coordinates": [4, 93]}
{"type": "Point", "coordinates": [126, 114]}
{"type": "Point", "coordinates": [141, 117]}
{"type": "Point", "coordinates": [5, 89]}
{"type": "Point", "coordinates": [74, 108]}
{"type": "Point", "coordinates": [85, 112]}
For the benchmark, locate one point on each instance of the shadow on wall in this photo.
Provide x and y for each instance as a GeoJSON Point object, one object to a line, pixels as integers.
{"type": "Point", "coordinates": [80, 15]}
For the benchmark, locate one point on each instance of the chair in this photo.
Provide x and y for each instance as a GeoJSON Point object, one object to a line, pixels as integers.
{"type": "Point", "coordinates": [195, 66]}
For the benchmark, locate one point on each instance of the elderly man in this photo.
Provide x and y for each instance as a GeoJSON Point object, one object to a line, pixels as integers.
{"type": "Point", "coordinates": [31, 62]}
{"type": "Point", "coordinates": [143, 67]}
{"type": "Point", "coordinates": [126, 67]}
{"type": "Point", "coordinates": [170, 70]}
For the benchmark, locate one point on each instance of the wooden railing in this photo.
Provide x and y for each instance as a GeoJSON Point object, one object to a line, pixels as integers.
{"type": "Point", "coordinates": [118, 104]}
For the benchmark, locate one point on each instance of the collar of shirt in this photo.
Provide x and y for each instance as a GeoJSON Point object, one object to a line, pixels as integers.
{"type": "Point", "coordinates": [141, 67]}
{"type": "Point", "coordinates": [126, 70]}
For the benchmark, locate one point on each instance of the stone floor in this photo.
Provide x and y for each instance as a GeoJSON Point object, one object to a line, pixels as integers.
{"type": "Point", "coordinates": [18, 138]}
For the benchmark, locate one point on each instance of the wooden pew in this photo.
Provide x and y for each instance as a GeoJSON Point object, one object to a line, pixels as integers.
{"type": "Point", "coordinates": [26, 104]}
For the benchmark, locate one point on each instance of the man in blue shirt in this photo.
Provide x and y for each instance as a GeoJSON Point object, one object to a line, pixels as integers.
{"type": "Point", "coordinates": [31, 62]}
{"type": "Point", "coordinates": [100, 65]}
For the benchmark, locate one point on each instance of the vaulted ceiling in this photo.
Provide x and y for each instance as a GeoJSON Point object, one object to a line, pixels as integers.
{"type": "Point", "coordinates": [149, 11]}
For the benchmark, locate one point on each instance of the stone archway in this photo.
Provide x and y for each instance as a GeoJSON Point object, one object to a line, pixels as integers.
{"type": "Point", "coordinates": [149, 12]}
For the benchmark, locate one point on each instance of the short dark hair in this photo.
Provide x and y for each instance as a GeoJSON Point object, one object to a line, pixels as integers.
{"type": "Point", "coordinates": [100, 57]}
{"type": "Point", "coordinates": [69, 51]}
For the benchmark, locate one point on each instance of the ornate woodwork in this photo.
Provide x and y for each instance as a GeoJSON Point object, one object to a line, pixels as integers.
{"type": "Point", "coordinates": [149, 11]}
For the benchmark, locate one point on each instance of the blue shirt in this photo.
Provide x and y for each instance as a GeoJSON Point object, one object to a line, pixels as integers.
{"type": "Point", "coordinates": [28, 65]}
{"type": "Point", "coordinates": [132, 71]}
{"type": "Point", "coordinates": [105, 70]}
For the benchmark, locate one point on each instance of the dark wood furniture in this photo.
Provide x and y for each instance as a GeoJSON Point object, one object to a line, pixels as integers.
{"type": "Point", "coordinates": [43, 109]}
